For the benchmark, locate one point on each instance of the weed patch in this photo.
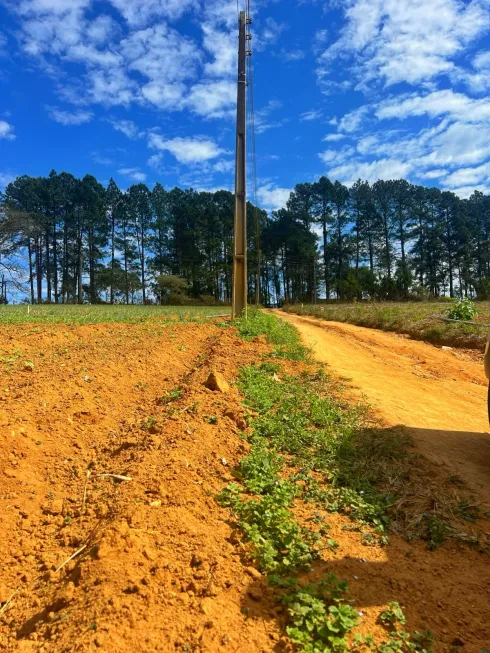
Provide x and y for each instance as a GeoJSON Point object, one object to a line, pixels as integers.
{"type": "Point", "coordinates": [306, 448]}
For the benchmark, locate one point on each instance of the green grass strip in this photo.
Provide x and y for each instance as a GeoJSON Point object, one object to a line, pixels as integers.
{"type": "Point", "coordinates": [297, 424]}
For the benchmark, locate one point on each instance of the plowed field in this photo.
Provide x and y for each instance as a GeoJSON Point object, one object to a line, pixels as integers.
{"type": "Point", "coordinates": [111, 453]}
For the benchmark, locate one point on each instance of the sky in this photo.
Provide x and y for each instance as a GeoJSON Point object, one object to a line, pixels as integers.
{"type": "Point", "coordinates": [145, 91]}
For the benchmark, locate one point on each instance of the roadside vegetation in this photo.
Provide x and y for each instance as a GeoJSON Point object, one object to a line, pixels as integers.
{"type": "Point", "coordinates": [419, 320]}
{"type": "Point", "coordinates": [312, 454]}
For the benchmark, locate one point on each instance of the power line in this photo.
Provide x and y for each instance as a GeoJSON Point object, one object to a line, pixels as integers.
{"type": "Point", "coordinates": [253, 150]}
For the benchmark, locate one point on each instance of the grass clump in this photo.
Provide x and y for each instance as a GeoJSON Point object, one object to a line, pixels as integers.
{"type": "Point", "coordinates": [277, 332]}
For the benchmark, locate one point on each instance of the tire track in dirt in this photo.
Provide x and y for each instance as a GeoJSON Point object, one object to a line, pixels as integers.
{"type": "Point", "coordinates": [438, 395]}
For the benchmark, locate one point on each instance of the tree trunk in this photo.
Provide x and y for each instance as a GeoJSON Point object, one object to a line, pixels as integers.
{"type": "Point", "coordinates": [339, 246]}
{"type": "Point", "coordinates": [113, 254]}
{"type": "Point", "coordinates": [31, 272]}
{"type": "Point", "coordinates": [325, 260]}
{"type": "Point", "coordinates": [39, 270]}
{"type": "Point", "coordinates": [80, 270]}
{"type": "Point", "coordinates": [48, 266]}
{"type": "Point", "coordinates": [55, 263]}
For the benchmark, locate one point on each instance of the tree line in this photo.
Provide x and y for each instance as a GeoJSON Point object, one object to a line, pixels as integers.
{"type": "Point", "coordinates": [69, 240]}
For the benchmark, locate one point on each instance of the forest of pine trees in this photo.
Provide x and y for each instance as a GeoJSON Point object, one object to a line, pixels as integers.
{"type": "Point", "coordinates": [69, 240]}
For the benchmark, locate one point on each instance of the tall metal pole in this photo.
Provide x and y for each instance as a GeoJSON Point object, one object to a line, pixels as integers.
{"type": "Point", "coordinates": [239, 306]}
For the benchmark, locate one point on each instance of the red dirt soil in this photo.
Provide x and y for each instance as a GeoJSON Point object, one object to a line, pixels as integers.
{"type": "Point", "coordinates": [163, 568]}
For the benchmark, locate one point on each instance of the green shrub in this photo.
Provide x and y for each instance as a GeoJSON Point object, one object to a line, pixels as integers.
{"type": "Point", "coordinates": [462, 309]}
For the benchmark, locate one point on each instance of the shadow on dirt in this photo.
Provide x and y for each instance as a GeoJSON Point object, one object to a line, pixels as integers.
{"type": "Point", "coordinates": [441, 590]}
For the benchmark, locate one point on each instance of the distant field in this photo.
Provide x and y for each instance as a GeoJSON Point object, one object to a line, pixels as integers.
{"type": "Point", "coordinates": [83, 314]}
{"type": "Point", "coordinates": [418, 320]}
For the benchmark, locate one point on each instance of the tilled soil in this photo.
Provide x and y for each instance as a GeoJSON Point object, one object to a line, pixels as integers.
{"type": "Point", "coordinates": [158, 564]}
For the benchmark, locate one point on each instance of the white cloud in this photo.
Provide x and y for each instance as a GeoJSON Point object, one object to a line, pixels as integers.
{"type": "Point", "coordinates": [144, 61]}
{"type": "Point", "coordinates": [127, 127]}
{"type": "Point", "coordinates": [438, 103]}
{"type": "Point", "coordinates": [102, 29]}
{"type": "Point", "coordinates": [101, 160]}
{"type": "Point", "coordinates": [213, 99]}
{"type": "Point", "coordinates": [293, 55]}
{"type": "Point", "coordinates": [459, 144]}
{"type": "Point", "coordinates": [353, 120]}
{"type": "Point", "coordinates": [411, 41]}
{"type": "Point", "coordinates": [161, 53]}
{"type": "Point", "coordinates": [223, 47]}
{"type": "Point", "coordinates": [263, 120]}
{"type": "Point", "coordinates": [338, 156]}
{"type": "Point", "coordinates": [482, 60]}
{"type": "Point", "coordinates": [139, 12]}
{"type": "Point", "coordinates": [465, 191]}
{"type": "Point", "coordinates": [311, 115]}
{"type": "Point", "coordinates": [350, 172]}
{"type": "Point", "coordinates": [6, 131]}
{"type": "Point", "coordinates": [328, 156]}
{"type": "Point", "coordinates": [272, 197]}
{"type": "Point", "coordinates": [438, 173]}
{"type": "Point", "coordinates": [134, 174]}
{"type": "Point", "coordinates": [187, 150]}
{"type": "Point", "coordinates": [468, 176]}
{"type": "Point", "coordinates": [224, 166]}
{"type": "Point", "coordinates": [110, 87]}
{"type": "Point", "coordinates": [331, 138]}
{"type": "Point", "coordinates": [268, 33]}
{"type": "Point", "coordinates": [69, 117]}
{"type": "Point", "coordinates": [155, 161]}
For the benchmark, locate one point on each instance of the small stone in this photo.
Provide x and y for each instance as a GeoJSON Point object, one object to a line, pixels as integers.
{"type": "Point", "coordinates": [5, 594]}
{"type": "Point", "coordinates": [217, 382]}
{"type": "Point", "coordinates": [28, 366]}
{"type": "Point", "coordinates": [156, 504]}
{"type": "Point", "coordinates": [254, 573]}
{"type": "Point", "coordinates": [54, 508]}
{"type": "Point", "coordinates": [149, 554]}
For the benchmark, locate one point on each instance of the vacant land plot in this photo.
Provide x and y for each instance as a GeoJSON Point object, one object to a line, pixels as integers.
{"type": "Point", "coordinates": [144, 508]}
{"type": "Point", "coordinates": [416, 319]}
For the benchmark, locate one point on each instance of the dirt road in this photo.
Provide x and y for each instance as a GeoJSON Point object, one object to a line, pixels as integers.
{"type": "Point", "coordinates": [438, 395]}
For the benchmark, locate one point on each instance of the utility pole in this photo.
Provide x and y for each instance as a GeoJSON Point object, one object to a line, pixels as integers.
{"type": "Point", "coordinates": [239, 306]}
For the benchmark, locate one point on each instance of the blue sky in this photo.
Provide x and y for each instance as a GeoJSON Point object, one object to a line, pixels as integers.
{"type": "Point", "coordinates": [144, 90]}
